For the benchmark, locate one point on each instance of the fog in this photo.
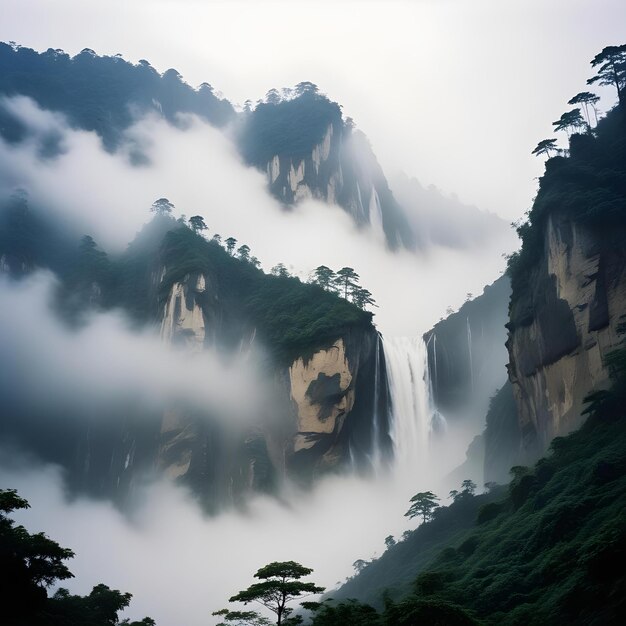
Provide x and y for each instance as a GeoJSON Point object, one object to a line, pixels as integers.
{"type": "Point", "coordinates": [198, 168]}
{"type": "Point", "coordinates": [454, 92]}
{"type": "Point", "coordinates": [47, 364]}
{"type": "Point", "coordinates": [179, 564]}
{"type": "Point", "coordinates": [444, 220]}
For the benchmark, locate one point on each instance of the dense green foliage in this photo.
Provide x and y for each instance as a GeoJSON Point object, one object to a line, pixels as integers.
{"type": "Point", "coordinates": [289, 127]}
{"type": "Point", "coordinates": [100, 93]}
{"type": "Point", "coordinates": [413, 611]}
{"type": "Point", "coordinates": [423, 505]}
{"type": "Point", "coordinates": [106, 95]}
{"type": "Point", "coordinates": [587, 186]}
{"type": "Point", "coordinates": [550, 552]}
{"type": "Point", "coordinates": [29, 239]}
{"type": "Point", "coordinates": [31, 563]}
{"type": "Point", "coordinates": [393, 573]}
{"type": "Point", "coordinates": [290, 317]}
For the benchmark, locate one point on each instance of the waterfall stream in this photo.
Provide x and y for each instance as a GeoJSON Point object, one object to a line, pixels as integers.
{"type": "Point", "coordinates": [469, 350]}
{"type": "Point", "coordinates": [377, 454]}
{"type": "Point", "coordinates": [410, 427]}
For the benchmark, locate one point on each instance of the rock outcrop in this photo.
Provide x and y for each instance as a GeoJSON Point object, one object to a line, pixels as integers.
{"type": "Point", "coordinates": [467, 355]}
{"type": "Point", "coordinates": [307, 150]}
{"type": "Point", "coordinates": [562, 327]}
{"type": "Point", "coordinates": [321, 418]}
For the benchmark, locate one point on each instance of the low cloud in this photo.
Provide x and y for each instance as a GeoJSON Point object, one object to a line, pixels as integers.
{"type": "Point", "coordinates": [199, 169]}
{"type": "Point", "coordinates": [181, 565]}
{"type": "Point", "coordinates": [446, 221]}
{"type": "Point", "coordinates": [45, 363]}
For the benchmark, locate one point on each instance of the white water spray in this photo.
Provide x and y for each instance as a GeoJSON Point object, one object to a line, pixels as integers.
{"type": "Point", "coordinates": [407, 370]}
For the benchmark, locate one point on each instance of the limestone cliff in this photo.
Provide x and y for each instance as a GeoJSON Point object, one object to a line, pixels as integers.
{"type": "Point", "coordinates": [342, 169]}
{"type": "Point", "coordinates": [324, 404]}
{"type": "Point", "coordinates": [321, 419]}
{"type": "Point", "coordinates": [466, 354]}
{"type": "Point", "coordinates": [308, 150]}
{"type": "Point", "coordinates": [563, 325]}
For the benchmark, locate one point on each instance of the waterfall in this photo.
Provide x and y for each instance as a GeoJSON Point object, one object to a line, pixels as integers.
{"type": "Point", "coordinates": [432, 376]}
{"type": "Point", "coordinates": [469, 350]}
{"type": "Point", "coordinates": [376, 451]}
{"type": "Point", "coordinates": [375, 214]}
{"type": "Point", "coordinates": [407, 371]}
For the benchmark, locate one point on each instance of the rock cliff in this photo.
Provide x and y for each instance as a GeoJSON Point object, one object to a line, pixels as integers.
{"type": "Point", "coordinates": [466, 354]}
{"type": "Point", "coordinates": [307, 150]}
{"type": "Point", "coordinates": [563, 325]}
{"type": "Point", "coordinates": [321, 419]}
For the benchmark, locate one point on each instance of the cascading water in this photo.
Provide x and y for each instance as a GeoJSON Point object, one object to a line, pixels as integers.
{"type": "Point", "coordinates": [376, 440]}
{"type": "Point", "coordinates": [407, 371]}
{"type": "Point", "coordinates": [469, 350]}
{"type": "Point", "coordinates": [376, 215]}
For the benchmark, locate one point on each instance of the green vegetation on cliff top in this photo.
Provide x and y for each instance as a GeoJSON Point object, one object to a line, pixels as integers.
{"type": "Point", "coordinates": [291, 317]}
{"type": "Point", "coordinates": [586, 184]}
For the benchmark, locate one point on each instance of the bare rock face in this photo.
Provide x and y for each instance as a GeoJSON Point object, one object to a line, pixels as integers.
{"type": "Point", "coordinates": [342, 169]}
{"type": "Point", "coordinates": [187, 313]}
{"type": "Point", "coordinates": [323, 400]}
{"type": "Point", "coordinates": [561, 329]}
{"type": "Point", "coordinates": [321, 389]}
{"type": "Point", "coordinates": [315, 175]}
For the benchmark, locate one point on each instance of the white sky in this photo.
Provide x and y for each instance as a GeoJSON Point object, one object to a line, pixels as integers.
{"type": "Point", "coordinates": [454, 92]}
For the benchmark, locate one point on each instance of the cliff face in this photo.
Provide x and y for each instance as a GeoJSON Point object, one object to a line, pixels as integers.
{"type": "Point", "coordinates": [466, 353]}
{"type": "Point", "coordinates": [314, 175]}
{"type": "Point", "coordinates": [321, 419]}
{"type": "Point", "coordinates": [562, 326]}
{"type": "Point", "coordinates": [307, 150]}
{"type": "Point", "coordinates": [342, 169]}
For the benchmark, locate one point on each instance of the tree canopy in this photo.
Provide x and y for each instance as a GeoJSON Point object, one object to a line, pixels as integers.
{"type": "Point", "coordinates": [570, 121]}
{"type": "Point", "coordinates": [162, 206]}
{"type": "Point", "coordinates": [231, 242]}
{"type": "Point", "coordinates": [546, 146]}
{"type": "Point", "coordinates": [280, 584]}
{"type": "Point", "coordinates": [587, 99]}
{"type": "Point", "coordinates": [324, 277]}
{"type": "Point", "coordinates": [31, 563]}
{"type": "Point", "coordinates": [424, 503]}
{"type": "Point", "coordinates": [197, 223]}
{"type": "Point", "coordinates": [611, 64]}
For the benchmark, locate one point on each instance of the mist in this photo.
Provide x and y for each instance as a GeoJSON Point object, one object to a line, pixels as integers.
{"type": "Point", "coordinates": [48, 364]}
{"type": "Point", "coordinates": [179, 564]}
{"type": "Point", "coordinates": [453, 92]}
{"type": "Point", "coordinates": [198, 168]}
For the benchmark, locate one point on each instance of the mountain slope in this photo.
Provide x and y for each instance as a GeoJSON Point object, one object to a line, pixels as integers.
{"type": "Point", "coordinates": [320, 355]}
{"type": "Point", "coordinates": [300, 141]}
{"type": "Point", "coordinates": [105, 94]}
{"type": "Point", "coordinates": [549, 552]}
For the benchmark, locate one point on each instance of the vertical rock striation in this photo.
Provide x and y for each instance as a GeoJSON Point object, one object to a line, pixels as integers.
{"type": "Point", "coordinates": [562, 326]}
{"type": "Point", "coordinates": [321, 420]}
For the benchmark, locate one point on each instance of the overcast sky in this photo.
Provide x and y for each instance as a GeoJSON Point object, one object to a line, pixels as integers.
{"type": "Point", "coordinates": [454, 92]}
